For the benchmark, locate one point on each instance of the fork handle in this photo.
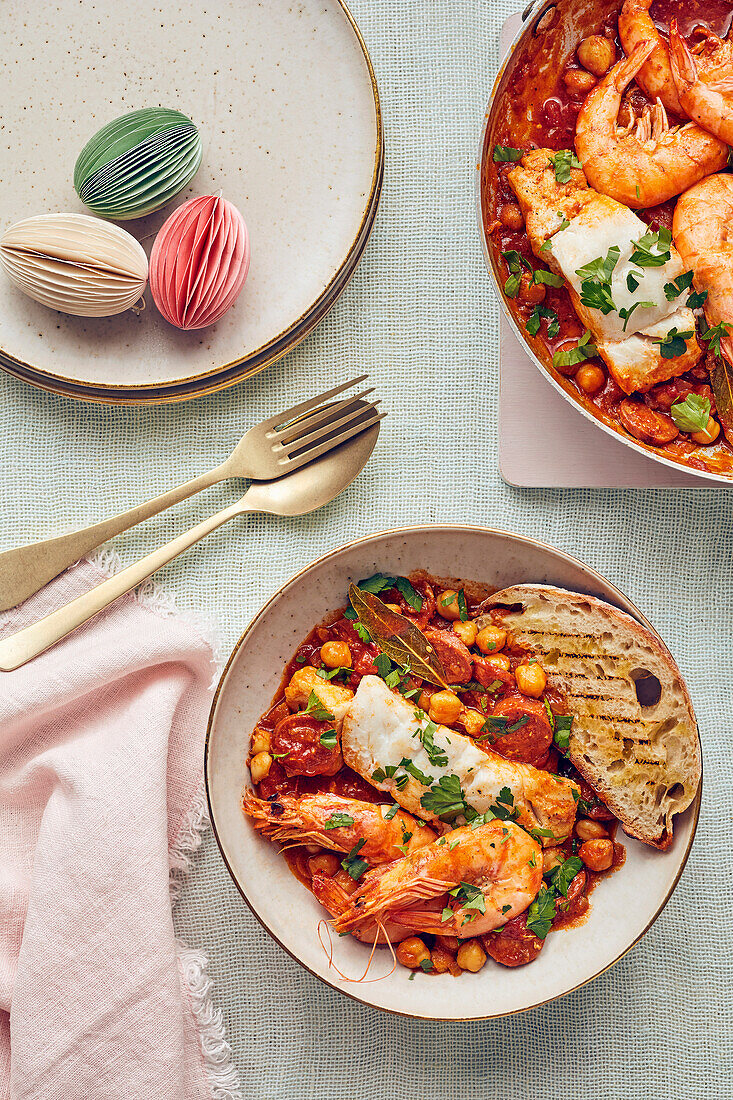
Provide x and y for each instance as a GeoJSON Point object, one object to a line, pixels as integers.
{"type": "Point", "coordinates": [27, 568]}
{"type": "Point", "coordinates": [22, 647]}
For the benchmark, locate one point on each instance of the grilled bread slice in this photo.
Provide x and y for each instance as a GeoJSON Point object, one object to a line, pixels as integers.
{"type": "Point", "coordinates": [634, 735]}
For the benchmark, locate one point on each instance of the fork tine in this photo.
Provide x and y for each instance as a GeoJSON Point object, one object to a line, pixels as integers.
{"type": "Point", "coordinates": [327, 428]}
{"type": "Point", "coordinates": [301, 428]}
{"type": "Point", "coordinates": [328, 445]}
{"type": "Point", "coordinates": [314, 402]}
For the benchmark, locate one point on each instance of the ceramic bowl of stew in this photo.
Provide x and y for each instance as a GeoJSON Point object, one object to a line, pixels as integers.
{"type": "Point", "coordinates": [624, 904]}
{"type": "Point", "coordinates": [531, 106]}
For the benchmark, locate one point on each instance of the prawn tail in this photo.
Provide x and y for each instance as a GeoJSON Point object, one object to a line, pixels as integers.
{"type": "Point", "coordinates": [423, 920]}
{"type": "Point", "coordinates": [682, 63]}
{"type": "Point", "coordinates": [626, 70]}
{"type": "Point", "coordinates": [373, 902]}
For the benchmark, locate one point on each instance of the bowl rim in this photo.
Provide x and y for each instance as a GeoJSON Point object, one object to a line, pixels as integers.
{"type": "Point", "coordinates": [455, 528]}
{"type": "Point", "coordinates": [533, 9]}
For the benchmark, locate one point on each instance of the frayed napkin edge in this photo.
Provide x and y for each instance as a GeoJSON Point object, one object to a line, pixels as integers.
{"type": "Point", "coordinates": [216, 1052]}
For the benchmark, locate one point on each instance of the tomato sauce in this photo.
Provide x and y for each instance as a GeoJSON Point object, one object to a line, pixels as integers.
{"type": "Point", "coordinates": [538, 110]}
{"type": "Point", "coordinates": [531, 742]}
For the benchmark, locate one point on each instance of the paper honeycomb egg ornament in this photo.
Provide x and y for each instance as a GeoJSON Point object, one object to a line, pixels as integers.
{"type": "Point", "coordinates": [75, 263]}
{"type": "Point", "coordinates": [199, 262]}
{"type": "Point", "coordinates": [137, 163]}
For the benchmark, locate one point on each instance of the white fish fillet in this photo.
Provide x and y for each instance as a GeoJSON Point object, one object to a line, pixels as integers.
{"type": "Point", "coordinates": [381, 729]}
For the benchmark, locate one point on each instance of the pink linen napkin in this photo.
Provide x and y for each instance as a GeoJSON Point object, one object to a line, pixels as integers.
{"type": "Point", "coordinates": [101, 751]}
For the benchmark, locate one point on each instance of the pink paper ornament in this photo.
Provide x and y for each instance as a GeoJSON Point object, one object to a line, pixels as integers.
{"type": "Point", "coordinates": [199, 262]}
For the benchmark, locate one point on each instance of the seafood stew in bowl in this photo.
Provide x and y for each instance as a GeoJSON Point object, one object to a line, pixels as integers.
{"type": "Point", "coordinates": [605, 197]}
{"type": "Point", "coordinates": [436, 784]}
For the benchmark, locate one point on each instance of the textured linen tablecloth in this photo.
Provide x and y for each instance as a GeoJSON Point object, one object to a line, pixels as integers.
{"type": "Point", "coordinates": [421, 316]}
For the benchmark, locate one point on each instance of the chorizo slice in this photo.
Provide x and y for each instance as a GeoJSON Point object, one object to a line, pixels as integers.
{"type": "Point", "coordinates": [515, 944]}
{"type": "Point", "coordinates": [647, 425]}
{"type": "Point", "coordinates": [296, 741]}
{"type": "Point", "coordinates": [453, 653]}
{"type": "Point", "coordinates": [523, 732]}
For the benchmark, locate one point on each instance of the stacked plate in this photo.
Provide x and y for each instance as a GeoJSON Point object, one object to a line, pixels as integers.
{"type": "Point", "coordinates": [286, 102]}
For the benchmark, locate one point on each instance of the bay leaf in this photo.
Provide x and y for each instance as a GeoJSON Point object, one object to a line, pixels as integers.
{"type": "Point", "coordinates": [397, 636]}
{"type": "Point", "coordinates": [721, 381]}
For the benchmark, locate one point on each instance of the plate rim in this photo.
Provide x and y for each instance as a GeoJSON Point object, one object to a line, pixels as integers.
{"type": "Point", "coordinates": [291, 334]}
{"type": "Point", "coordinates": [422, 529]}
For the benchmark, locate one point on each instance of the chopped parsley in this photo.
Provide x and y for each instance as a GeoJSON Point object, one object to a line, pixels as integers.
{"type": "Point", "coordinates": [697, 299]}
{"type": "Point", "coordinates": [541, 912]}
{"type": "Point", "coordinates": [674, 343]}
{"type": "Point", "coordinates": [692, 414]}
{"type": "Point", "coordinates": [471, 897]}
{"type": "Point", "coordinates": [553, 322]}
{"type": "Point", "coordinates": [563, 162]}
{"type": "Point", "coordinates": [462, 609]}
{"type": "Point", "coordinates": [415, 772]}
{"type": "Point", "coordinates": [561, 877]}
{"type": "Point", "coordinates": [389, 814]}
{"type": "Point", "coordinates": [503, 153]}
{"type": "Point", "coordinates": [626, 312]}
{"type": "Point", "coordinates": [446, 799]}
{"type": "Point", "coordinates": [380, 582]}
{"type": "Point", "coordinates": [653, 249]}
{"type": "Point", "coordinates": [675, 288]}
{"type": "Point", "coordinates": [548, 278]}
{"type": "Point", "coordinates": [401, 782]}
{"type": "Point", "coordinates": [426, 965]}
{"type": "Point", "coordinates": [584, 350]}
{"type": "Point", "coordinates": [329, 673]}
{"type": "Point", "coordinates": [595, 287]}
{"type": "Point", "coordinates": [515, 262]}
{"type": "Point", "coordinates": [362, 632]}
{"type": "Point", "coordinates": [563, 726]}
{"type": "Point", "coordinates": [339, 821]}
{"type": "Point", "coordinates": [713, 335]}
{"type": "Point", "coordinates": [352, 864]}
{"type": "Point", "coordinates": [564, 223]}
{"type": "Point", "coordinates": [632, 280]}
{"type": "Point", "coordinates": [383, 664]}
{"type": "Point", "coordinates": [316, 709]}
{"type": "Point", "coordinates": [435, 754]}
{"type": "Point", "coordinates": [329, 739]}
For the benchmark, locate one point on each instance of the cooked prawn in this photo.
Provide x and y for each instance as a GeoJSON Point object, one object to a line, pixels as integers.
{"type": "Point", "coordinates": [334, 898]}
{"type": "Point", "coordinates": [647, 162]}
{"type": "Point", "coordinates": [705, 93]}
{"type": "Point", "coordinates": [702, 228]}
{"type": "Point", "coordinates": [313, 818]}
{"type": "Point", "coordinates": [635, 25]}
{"type": "Point", "coordinates": [495, 871]}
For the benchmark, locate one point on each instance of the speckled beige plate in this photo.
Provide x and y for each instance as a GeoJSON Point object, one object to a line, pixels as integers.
{"type": "Point", "coordinates": [286, 101]}
{"type": "Point", "coordinates": [624, 905]}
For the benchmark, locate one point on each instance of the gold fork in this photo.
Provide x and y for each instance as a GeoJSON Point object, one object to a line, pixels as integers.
{"type": "Point", "coordinates": [271, 449]}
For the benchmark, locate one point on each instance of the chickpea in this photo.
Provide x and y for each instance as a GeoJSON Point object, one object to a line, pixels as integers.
{"type": "Point", "coordinates": [473, 721]}
{"type": "Point", "coordinates": [259, 767]}
{"type": "Point", "coordinates": [447, 605]}
{"type": "Point", "coordinates": [411, 952]}
{"type": "Point", "coordinates": [498, 662]}
{"type": "Point", "coordinates": [325, 863]}
{"type": "Point", "coordinates": [345, 881]}
{"type": "Point", "coordinates": [424, 700]}
{"type": "Point", "coordinates": [511, 217]}
{"type": "Point", "coordinates": [596, 54]}
{"type": "Point", "coordinates": [466, 631]}
{"type": "Point", "coordinates": [531, 292]}
{"type": "Point", "coordinates": [336, 655]}
{"type": "Point", "coordinates": [260, 741]}
{"type": "Point", "coordinates": [444, 707]}
{"type": "Point", "coordinates": [471, 956]}
{"type": "Point", "coordinates": [491, 639]}
{"type": "Point", "coordinates": [551, 858]}
{"type": "Point", "coordinates": [578, 83]}
{"type": "Point", "coordinates": [589, 830]}
{"type": "Point", "coordinates": [709, 434]}
{"type": "Point", "coordinates": [597, 855]}
{"type": "Point", "coordinates": [531, 679]}
{"type": "Point", "coordinates": [591, 379]}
